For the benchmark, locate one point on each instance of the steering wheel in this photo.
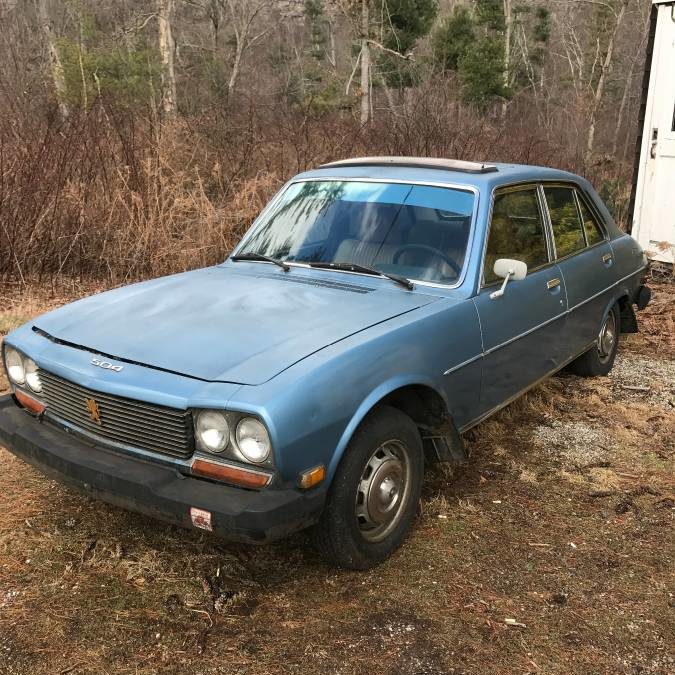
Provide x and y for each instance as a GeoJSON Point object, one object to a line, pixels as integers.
{"type": "Point", "coordinates": [428, 249]}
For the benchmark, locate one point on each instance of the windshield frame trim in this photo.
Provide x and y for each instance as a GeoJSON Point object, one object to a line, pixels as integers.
{"type": "Point", "coordinates": [399, 181]}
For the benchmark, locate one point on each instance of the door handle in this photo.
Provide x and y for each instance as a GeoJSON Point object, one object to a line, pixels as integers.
{"type": "Point", "coordinates": [607, 258]}
{"type": "Point", "coordinates": [553, 283]}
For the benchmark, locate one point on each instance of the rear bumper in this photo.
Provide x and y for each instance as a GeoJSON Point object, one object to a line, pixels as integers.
{"type": "Point", "coordinates": [153, 489]}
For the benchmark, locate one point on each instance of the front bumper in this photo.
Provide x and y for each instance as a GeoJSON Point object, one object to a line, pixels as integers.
{"type": "Point", "coordinates": [153, 489]}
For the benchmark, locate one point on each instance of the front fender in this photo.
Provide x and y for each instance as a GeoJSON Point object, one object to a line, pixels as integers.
{"type": "Point", "coordinates": [369, 402]}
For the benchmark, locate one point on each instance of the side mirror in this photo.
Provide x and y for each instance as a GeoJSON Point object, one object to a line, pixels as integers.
{"type": "Point", "coordinates": [508, 269]}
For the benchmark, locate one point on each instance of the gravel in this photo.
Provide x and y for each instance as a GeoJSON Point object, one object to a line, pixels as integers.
{"type": "Point", "coordinates": [639, 371]}
{"type": "Point", "coordinates": [576, 444]}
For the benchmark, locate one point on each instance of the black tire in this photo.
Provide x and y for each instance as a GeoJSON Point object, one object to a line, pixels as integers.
{"type": "Point", "coordinates": [386, 446]}
{"type": "Point", "coordinates": [599, 359]}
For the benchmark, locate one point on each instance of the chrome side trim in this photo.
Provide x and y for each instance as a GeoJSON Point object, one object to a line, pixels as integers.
{"type": "Point", "coordinates": [464, 363]}
{"type": "Point", "coordinates": [616, 283]}
{"type": "Point", "coordinates": [526, 333]}
{"type": "Point", "coordinates": [511, 399]}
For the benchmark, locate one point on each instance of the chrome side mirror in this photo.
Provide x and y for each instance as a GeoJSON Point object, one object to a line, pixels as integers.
{"type": "Point", "coordinates": [508, 269]}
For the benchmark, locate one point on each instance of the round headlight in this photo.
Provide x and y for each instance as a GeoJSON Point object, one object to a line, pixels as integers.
{"type": "Point", "coordinates": [213, 431]}
{"type": "Point", "coordinates": [32, 377]}
{"type": "Point", "coordinates": [253, 440]}
{"type": "Point", "coordinates": [15, 367]}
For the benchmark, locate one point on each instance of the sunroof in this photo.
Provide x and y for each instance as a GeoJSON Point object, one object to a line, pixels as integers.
{"type": "Point", "coordinates": [415, 162]}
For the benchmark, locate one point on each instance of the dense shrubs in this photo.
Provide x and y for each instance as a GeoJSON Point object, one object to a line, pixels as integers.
{"type": "Point", "coordinates": [114, 196]}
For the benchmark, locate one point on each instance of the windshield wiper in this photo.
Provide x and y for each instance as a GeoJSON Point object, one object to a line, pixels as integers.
{"type": "Point", "coordinates": [354, 267]}
{"type": "Point", "coordinates": [260, 256]}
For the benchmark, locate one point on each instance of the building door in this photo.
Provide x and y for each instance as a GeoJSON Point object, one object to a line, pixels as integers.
{"type": "Point", "coordinates": [654, 219]}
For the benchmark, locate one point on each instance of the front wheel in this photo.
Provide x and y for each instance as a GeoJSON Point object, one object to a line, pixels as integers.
{"type": "Point", "coordinates": [599, 359]}
{"type": "Point", "coordinates": [374, 495]}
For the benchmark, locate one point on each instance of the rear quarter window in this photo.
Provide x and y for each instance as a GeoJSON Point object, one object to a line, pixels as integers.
{"type": "Point", "coordinates": [592, 228]}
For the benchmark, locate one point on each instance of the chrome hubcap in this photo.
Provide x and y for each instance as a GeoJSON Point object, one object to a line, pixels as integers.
{"type": "Point", "coordinates": [607, 337]}
{"type": "Point", "coordinates": [383, 490]}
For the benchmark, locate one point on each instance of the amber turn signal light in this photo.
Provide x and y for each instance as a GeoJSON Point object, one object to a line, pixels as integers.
{"type": "Point", "coordinates": [29, 402]}
{"type": "Point", "coordinates": [312, 477]}
{"type": "Point", "coordinates": [230, 474]}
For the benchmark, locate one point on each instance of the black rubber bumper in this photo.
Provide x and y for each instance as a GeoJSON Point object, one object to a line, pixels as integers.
{"type": "Point", "coordinates": [154, 489]}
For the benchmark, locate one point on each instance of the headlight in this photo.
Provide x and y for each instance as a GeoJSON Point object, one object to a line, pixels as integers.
{"type": "Point", "coordinates": [212, 431]}
{"type": "Point", "coordinates": [15, 367]}
{"type": "Point", "coordinates": [253, 440]}
{"type": "Point", "coordinates": [31, 374]}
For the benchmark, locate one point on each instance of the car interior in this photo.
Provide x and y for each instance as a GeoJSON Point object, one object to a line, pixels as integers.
{"type": "Point", "coordinates": [414, 241]}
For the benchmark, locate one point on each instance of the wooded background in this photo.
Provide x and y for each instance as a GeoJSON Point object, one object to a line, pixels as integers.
{"type": "Point", "coordinates": [140, 137]}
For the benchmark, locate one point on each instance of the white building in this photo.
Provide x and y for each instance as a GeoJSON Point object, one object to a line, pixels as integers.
{"type": "Point", "coordinates": [653, 222]}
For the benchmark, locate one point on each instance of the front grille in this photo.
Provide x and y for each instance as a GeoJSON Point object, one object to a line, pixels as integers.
{"type": "Point", "coordinates": [124, 421]}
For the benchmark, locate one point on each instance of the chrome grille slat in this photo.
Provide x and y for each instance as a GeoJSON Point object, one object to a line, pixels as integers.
{"type": "Point", "coordinates": [118, 414]}
{"type": "Point", "coordinates": [82, 419]}
{"type": "Point", "coordinates": [134, 424]}
{"type": "Point", "coordinates": [171, 413]}
{"type": "Point", "coordinates": [120, 438]}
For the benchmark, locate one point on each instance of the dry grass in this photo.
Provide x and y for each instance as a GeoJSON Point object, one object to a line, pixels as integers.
{"type": "Point", "coordinates": [571, 541]}
{"type": "Point", "coordinates": [117, 196]}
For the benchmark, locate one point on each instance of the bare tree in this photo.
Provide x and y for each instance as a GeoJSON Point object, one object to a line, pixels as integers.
{"type": "Point", "coordinates": [507, 50]}
{"type": "Point", "coordinates": [55, 64]}
{"type": "Point", "coordinates": [602, 80]}
{"type": "Point", "coordinates": [166, 51]}
{"type": "Point", "coordinates": [365, 62]}
{"type": "Point", "coordinates": [243, 14]}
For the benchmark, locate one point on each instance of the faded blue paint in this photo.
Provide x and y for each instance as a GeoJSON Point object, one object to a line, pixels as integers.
{"type": "Point", "coordinates": [312, 360]}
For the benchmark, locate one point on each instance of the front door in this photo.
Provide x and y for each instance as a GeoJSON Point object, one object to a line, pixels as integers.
{"type": "Point", "coordinates": [523, 330]}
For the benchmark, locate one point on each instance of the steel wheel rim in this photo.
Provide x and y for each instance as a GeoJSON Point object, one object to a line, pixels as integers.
{"type": "Point", "coordinates": [607, 338]}
{"type": "Point", "coordinates": [383, 490]}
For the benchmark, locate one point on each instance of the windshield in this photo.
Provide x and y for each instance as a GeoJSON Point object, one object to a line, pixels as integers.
{"type": "Point", "coordinates": [416, 231]}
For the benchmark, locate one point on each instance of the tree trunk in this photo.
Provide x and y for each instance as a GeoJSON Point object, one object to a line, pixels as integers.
{"type": "Point", "coordinates": [166, 53]}
{"type": "Point", "coordinates": [600, 89]}
{"type": "Point", "coordinates": [624, 98]}
{"type": "Point", "coordinates": [55, 65]}
{"type": "Point", "coordinates": [238, 53]}
{"type": "Point", "coordinates": [365, 63]}
{"type": "Point", "coordinates": [507, 50]}
{"type": "Point", "coordinates": [215, 14]}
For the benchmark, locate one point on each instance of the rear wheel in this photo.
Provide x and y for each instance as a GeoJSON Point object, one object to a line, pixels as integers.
{"type": "Point", "coordinates": [373, 498]}
{"type": "Point", "coordinates": [599, 359]}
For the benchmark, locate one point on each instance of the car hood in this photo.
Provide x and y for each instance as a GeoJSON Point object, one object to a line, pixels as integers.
{"type": "Point", "coordinates": [222, 324]}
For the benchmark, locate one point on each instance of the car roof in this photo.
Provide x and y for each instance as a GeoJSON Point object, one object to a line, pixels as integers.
{"type": "Point", "coordinates": [483, 176]}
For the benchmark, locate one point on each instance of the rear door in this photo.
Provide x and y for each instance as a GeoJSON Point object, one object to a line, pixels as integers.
{"type": "Point", "coordinates": [585, 260]}
{"type": "Point", "coordinates": [523, 330]}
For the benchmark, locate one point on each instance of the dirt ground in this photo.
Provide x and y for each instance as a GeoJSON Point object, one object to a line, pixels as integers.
{"type": "Point", "coordinates": [551, 552]}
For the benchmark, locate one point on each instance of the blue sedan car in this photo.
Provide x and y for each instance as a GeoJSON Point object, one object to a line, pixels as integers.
{"type": "Point", "coordinates": [376, 310]}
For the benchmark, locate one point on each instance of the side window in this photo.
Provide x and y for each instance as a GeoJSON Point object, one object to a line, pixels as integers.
{"type": "Point", "coordinates": [567, 229]}
{"type": "Point", "coordinates": [593, 231]}
{"type": "Point", "coordinates": [516, 231]}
